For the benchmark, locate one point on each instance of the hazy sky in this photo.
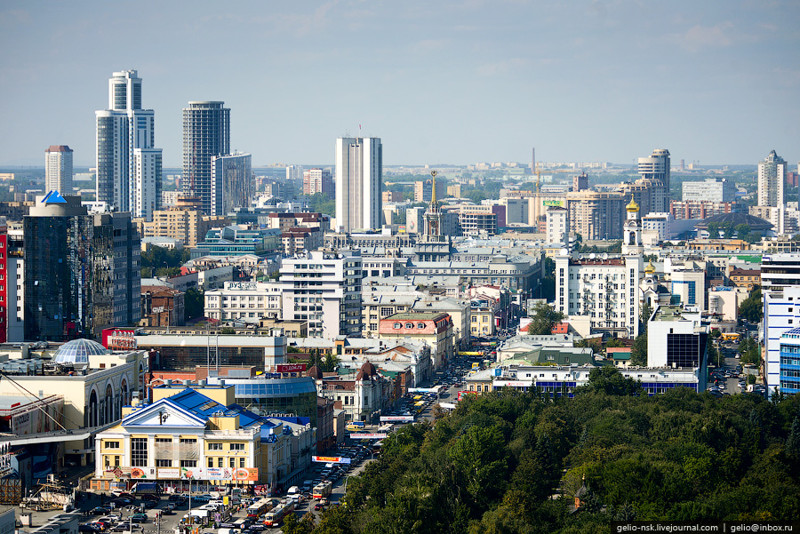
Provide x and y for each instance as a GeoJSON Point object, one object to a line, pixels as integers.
{"type": "Point", "coordinates": [439, 81]}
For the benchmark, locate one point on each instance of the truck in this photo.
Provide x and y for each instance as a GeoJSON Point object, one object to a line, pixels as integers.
{"type": "Point", "coordinates": [321, 490]}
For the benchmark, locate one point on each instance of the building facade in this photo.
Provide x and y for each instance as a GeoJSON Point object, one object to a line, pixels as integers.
{"type": "Point", "coordinates": [82, 272]}
{"type": "Point", "coordinates": [232, 183]}
{"type": "Point", "coordinates": [596, 215]}
{"type": "Point", "coordinates": [359, 183]}
{"type": "Point", "coordinates": [709, 190]}
{"type": "Point", "coordinates": [324, 288]}
{"type": "Point", "coordinates": [318, 181]}
{"type": "Point", "coordinates": [206, 133]}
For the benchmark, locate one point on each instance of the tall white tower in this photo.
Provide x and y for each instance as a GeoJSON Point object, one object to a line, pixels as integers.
{"type": "Point", "coordinates": [58, 169]}
{"type": "Point", "coordinates": [123, 178]}
{"type": "Point", "coordinates": [632, 230]}
{"type": "Point", "coordinates": [359, 183]}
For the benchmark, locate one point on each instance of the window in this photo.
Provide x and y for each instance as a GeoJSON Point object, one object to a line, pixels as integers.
{"type": "Point", "coordinates": [112, 444]}
{"type": "Point", "coordinates": [163, 463]}
{"type": "Point", "coordinates": [215, 446]}
{"type": "Point", "coordinates": [188, 463]}
{"type": "Point", "coordinates": [233, 462]}
{"type": "Point", "coordinates": [138, 452]}
{"type": "Point", "coordinates": [188, 441]}
{"type": "Point", "coordinates": [163, 440]}
{"type": "Point", "coordinates": [220, 462]}
{"type": "Point", "coordinates": [241, 462]}
{"type": "Point", "coordinates": [210, 462]}
{"type": "Point", "coordinates": [237, 446]}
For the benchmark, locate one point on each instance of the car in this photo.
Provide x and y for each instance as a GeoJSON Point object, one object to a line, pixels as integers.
{"type": "Point", "coordinates": [318, 507]}
{"type": "Point", "coordinates": [169, 506]}
{"type": "Point", "coordinates": [88, 527]}
{"type": "Point", "coordinates": [102, 525]}
{"type": "Point", "coordinates": [139, 518]}
{"type": "Point", "coordinates": [101, 510]}
{"type": "Point", "coordinates": [175, 497]}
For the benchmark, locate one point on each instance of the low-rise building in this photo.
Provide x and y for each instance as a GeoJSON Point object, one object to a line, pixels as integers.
{"type": "Point", "coordinates": [362, 395]}
{"type": "Point", "coordinates": [433, 328]}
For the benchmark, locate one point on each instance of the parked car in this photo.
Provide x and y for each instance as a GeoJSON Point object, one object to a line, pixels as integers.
{"type": "Point", "coordinates": [101, 510]}
{"type": "Point", "coordinates": [88, 527]}
{"type": "Point", "coordinates": [139, 518]}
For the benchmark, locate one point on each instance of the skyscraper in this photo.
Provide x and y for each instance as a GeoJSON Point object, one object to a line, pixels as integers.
{"type": "Point", "coordinates": [58, 169]}
{"type": "Point", "coordinates": [127, 180]}
{"type": "Point", "coordinates": [231, 183]}
{"type": "Point", "coordinates": [359, 182]}
{"type": "Point", "coordinates": [771, 179]}
{"type": "Point", "coordinates": [81, 271]}
{"type": "Point", "coordinates": [656, 166]}
{"type": "Point", "coordinates": [206, 133]}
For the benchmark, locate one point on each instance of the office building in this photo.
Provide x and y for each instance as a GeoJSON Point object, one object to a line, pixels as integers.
{"type": "Point", "coordinates": [12, 295]}
{"type": "Point", "coordinates": [700, 209]}
{"type": "Point", "coordinates": [58, 169]}
{"type": "Point", "coordinates": [790, 361]}
{"type": "Point", "coordinates": [184, 222]}
{"type": "Point", "coordinates": [126, 179]}
{"type": "Point", "coordinates": [656, 166]}
{"type": "Point", "coordinates": [82, 271]}
{"type": "Point", "coordinates": [359, 183]}
{"type": "Point", "coordinates": [318, 181]}
{"type": "Point", "coordinates": [423, 190]}
{"type": "Point", "coordinates": [781, 315]}
{"type": "Point", "coordinates": [676, 338]}
{"type": "Point", "coordinates": [779, 271]}
{"type": "Point", "coordinates": [324, 288]}
{"type": "Point", "coordinates": [232, 183]}
{"type": "Point", "coordinates": [206, 133]}
{"type": "Point", "coordinates": [709, 190]}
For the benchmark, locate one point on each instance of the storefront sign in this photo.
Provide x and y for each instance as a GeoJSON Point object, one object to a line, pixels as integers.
{"type": "Point", "coordinates": [291, 367]}
{"type": "Point", "coordinates": [330, 459]}
{"type": "Point", "coordinates": [368, 436]}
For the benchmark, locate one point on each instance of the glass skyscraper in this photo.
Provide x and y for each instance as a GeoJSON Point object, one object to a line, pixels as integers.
{"type": "Point", "coordinates": [206, 133]}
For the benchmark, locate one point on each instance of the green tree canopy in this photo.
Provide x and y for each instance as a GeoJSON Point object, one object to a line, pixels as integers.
{"type": "Point", "coordinates": [752, 308]}
{"type": "Point", "coordinates": [544, 317]}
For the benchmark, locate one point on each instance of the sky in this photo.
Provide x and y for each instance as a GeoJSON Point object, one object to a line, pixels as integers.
{"type": "Point", "coordinates": [439, 81]}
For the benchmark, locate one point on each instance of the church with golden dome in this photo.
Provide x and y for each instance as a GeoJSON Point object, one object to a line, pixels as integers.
{"type": "Point", "coordinates": [632, 230]}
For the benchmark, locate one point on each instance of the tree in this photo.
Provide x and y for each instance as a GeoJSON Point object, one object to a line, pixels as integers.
{"type": "Point", "coordinates": [194, 303]}
{"type": "Point", "coordinates": [714, 355]}
{"type": "Point", "coordinates": [751, 308]}
{"type": "Point", "coordinates": [544, 317]}
{"type": "Point", "coordinates": [548, 287]}
{"type": "Point", "coordinates": [639, 350]}
{"type": "Point", "coordinates": [609, 380]}
{"type": "Point", "coordinates": [329, 364]}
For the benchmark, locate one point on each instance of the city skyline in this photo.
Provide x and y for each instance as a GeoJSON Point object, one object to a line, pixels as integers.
{"type": "Point", "coordinates": [455, 83]}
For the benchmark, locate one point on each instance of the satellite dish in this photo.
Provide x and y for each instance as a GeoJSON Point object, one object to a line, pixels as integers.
{"type": "Point", "coordinates": [605, 255]}
{"type": "Point", "coordinates": [592, 256]}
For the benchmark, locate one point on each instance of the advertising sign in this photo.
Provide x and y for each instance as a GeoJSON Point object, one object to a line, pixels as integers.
{"type": "Point", "coordinates": [246, 474]}
{"type": "Point", "coordinates": [169, 473]}
{"type": "Point", "coordinates": [397, 418]}
{"type": "Point", "coordinates": [555, 203]}
{"type": "Point", "coordinates": [369, 436]}
{"type": "Point", "coordinates": [512, 384]}
{"type": "Point", "coordinates": [330, 459]}
{"type": "Point", "coordinates": [291, 367]}
{"type": "Point", "coordinates": [218, 473]}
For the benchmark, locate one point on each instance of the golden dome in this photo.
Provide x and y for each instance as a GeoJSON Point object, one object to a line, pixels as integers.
{"type": "Point", "coordinates": [650, 269]}
{"type": "Point", "coordinates": [633, 206]}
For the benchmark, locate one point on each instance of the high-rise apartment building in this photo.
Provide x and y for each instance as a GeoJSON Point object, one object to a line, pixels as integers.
{"type": "Point", "coordinates": [771, 184]}
{"type": "Point", "coordinates": [58, 169]}
{"type": "Point", "coordinates": [359, 183]}
{"type": "Point", "coordinates": [557, 225]}
{"type": "Point", "coordinates": [82, 271]}
{"type": "Point", "coordinates": [318, 181]}
{"type": "Point", "coordinates": [127, 180]}
{"type": "Point", "coordinates": [206, 133]}
{"type": "Point", "coordinates": [596, 215]}
{"type": "Point", "coordinates": [423, 190]}
{"type": "Point", "coordinates": [232, 183]}
{"type": "Point", "coordinates": [656, 166]}
{"type": "Point", "coordinates": [709, 190]}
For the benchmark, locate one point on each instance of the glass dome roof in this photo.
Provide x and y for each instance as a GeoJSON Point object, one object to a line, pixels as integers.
{"type": "Point", "coordinates": [78, 351]}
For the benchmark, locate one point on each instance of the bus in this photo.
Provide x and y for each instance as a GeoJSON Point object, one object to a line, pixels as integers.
{"type": "Point", "coordinates": [321, 490]}
{"type": "Point", "coordinates": [259, 508]}
{"type": "Point", "coordinates": [355, 426]}
{"type": "Point", "coordinates": [275, 516]}
{"type": "Point", "coordinates": [730, 336]}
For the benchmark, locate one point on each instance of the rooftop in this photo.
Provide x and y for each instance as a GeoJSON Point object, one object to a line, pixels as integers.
{"type": "Point", "coordinates": [416, 316]}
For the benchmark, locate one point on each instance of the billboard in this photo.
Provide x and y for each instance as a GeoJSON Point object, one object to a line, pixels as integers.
{"type": "Point", "coordinates": [397, 419]}
{"type": "Point", "coordinates": [554, 203]}
{"type": "Point", "coordinates": [291, 367]}
{"type": "Point", "coordinates": [330, 459]}
{"type": "Point", "coordinates": [246, 474]}
{"type": "Point", "coordinates": [369, 436]}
